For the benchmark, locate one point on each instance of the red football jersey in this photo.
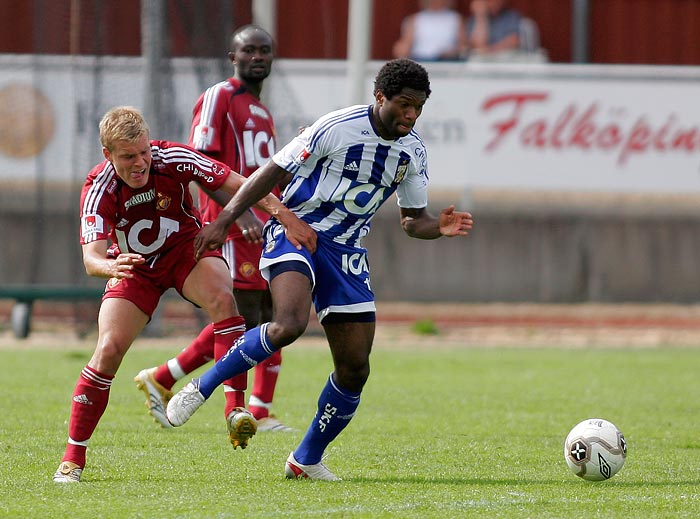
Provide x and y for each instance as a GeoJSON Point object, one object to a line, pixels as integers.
{"type": "Point", "coordinates": [152, 219]}
{"type": "Point", "coordinates": [232, 125]}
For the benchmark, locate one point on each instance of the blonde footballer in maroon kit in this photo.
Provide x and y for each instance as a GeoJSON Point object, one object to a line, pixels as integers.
{"type": "Point", "coordinates": [232, 125]}
{"type": "Point", "coordinates": [139, 198]}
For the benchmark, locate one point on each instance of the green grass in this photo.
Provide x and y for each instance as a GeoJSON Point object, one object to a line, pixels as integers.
{"type": "Point", "coordinates": [439, 433]}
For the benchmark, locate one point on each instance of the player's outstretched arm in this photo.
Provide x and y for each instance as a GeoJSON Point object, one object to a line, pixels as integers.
{"type": "Point", "coordinates": [254, 191]}
{"type": "Point", "coordinates": [418, 223]}
{"type": "Point", "coordinates": [98, 265]}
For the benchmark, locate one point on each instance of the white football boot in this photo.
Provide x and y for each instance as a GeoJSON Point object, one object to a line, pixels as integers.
{"type": "Point", "coordinates": [67, 472]}
{"type": "Point", "coordinates": [295, 470]}
{"type": "Point", "coordinates": [157, 397]}
{"type": "Point", "coordinates": [184, 404]}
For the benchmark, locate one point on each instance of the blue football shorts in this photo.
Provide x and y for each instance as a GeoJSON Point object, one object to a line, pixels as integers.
{"type": "Point", "coordinates": [339, 273]}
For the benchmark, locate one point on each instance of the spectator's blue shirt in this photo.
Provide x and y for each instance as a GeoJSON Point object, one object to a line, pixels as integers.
{"type": "Point", "coordinates": [504, 24]}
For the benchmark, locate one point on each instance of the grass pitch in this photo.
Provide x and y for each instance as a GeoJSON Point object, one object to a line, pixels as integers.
{"type": "Point", "coordinates": [440, 433]}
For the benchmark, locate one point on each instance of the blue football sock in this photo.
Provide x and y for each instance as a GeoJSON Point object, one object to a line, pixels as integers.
{"type": "Point", "coordinates": [336, 407]}
{"type": "Point", "coordinates": [248, 350]}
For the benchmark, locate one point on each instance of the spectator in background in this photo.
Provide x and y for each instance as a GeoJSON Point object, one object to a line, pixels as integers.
{"type": "Point", "coordinates": [493, 28]}
{"type": "Point", "coordinates": [433, 34]}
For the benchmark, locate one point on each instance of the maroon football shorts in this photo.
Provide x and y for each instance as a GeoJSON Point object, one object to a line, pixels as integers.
{"type": "Point", "coordinates": [169, 270]}
{"type": "Point", "coordinates": [246, 260]}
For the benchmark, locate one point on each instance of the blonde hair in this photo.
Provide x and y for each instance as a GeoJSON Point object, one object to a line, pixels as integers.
{"type": "Point", "coordinates": [123, 123]}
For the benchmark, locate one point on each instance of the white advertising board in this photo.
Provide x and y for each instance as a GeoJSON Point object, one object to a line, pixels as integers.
{"type": "Point", "coordinates": [596, 132]}
{"type": "Point", "coordinates": [518, 126]}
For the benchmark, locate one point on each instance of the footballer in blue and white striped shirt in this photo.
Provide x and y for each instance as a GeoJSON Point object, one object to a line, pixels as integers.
{"type": "Point", "coordinates": [344, 167]}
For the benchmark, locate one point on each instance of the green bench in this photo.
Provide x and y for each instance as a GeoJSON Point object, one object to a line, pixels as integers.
{"type": "Point", "coordinates": [25, 295]}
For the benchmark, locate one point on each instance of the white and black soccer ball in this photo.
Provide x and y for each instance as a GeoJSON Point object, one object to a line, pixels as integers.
{"type": "Point", "coordinates": [595, 449]}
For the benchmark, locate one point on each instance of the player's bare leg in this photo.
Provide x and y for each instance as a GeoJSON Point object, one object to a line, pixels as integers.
{"type": "Point", "coordinates": [209, 286]}
{"type": "Point", "coordinates": [291, 317]}
{"type": "Point", "coordinates": [119, 322]}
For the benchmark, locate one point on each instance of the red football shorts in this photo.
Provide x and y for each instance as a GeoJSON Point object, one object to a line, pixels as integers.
{"type": "Point", "coordinates": [245, 259]}
{"type": "Point", "coordinates": [169, 270]}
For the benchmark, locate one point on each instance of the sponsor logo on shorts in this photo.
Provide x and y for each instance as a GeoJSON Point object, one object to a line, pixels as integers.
{"type": "Point", "coordinates": [355, 263]}
{"type": "Point", "coordinates": [113, 282]}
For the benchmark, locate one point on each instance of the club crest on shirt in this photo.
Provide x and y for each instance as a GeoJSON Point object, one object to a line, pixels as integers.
{"type": "Point", "coordinates": [270, 245]}
{"type": "Point", "coordinates": [162, 202]}
{"type": "Point", "coordinates": [401, 170]}
{"type": "Point", "coordinates": [247, 269]}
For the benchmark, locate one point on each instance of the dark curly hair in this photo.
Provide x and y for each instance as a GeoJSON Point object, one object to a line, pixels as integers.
{"type": "Point", "coordinates": [401, 73]}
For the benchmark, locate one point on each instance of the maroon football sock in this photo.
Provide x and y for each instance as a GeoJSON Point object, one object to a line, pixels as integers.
{"type": "Point", "coordinates": [90, 398]}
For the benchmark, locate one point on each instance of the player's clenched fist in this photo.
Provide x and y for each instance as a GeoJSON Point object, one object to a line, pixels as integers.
{"type": "Point", "coordinates": [124, 264]}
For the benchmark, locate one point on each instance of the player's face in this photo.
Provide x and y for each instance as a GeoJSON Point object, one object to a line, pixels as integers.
{"type": "Point", "coordinates": [398, 114]}
{"type": "Point", "coordinates": [252, 56]}
{"type": "Point", "coordinates": [131, 160]}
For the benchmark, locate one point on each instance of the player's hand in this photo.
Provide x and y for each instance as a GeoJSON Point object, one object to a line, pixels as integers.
{"type": "Point", "coordinates": [122, 266]}
{"type": "Point", "coordinates": [251, 227]}
{"type": "Point", "coordinates": [454, 223]}
{"type": "Point", "coordinates": [298, 232]}
{"type": "Point", "coordinates": [210, 237]}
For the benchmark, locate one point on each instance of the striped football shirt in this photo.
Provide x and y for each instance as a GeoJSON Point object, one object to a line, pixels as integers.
{"type": "Point", "coordinates": [344, 171]}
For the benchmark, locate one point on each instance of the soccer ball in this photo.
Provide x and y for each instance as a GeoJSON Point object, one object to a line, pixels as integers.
{"type": "Point", "coordinates": [595, 449]}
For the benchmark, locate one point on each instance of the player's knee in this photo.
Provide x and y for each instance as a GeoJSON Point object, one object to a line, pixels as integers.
{"type": "Point", "coordinates": [220, 305]}
{"type": "Point", "coordinates": [109, 354]}
{"type": "Point", "coordinates": [282, 332]}
{"type": "Point", "coordinates": [352, 377]}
